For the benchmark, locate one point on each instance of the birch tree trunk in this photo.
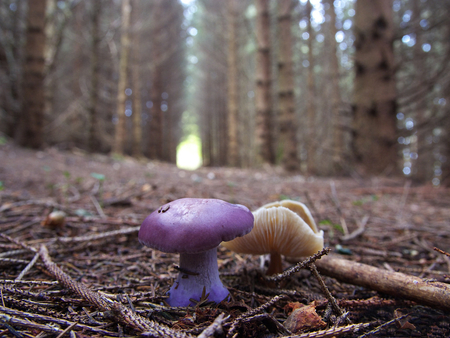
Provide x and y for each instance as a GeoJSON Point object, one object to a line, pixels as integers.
{"type": "Point", "coordinates": [263, 94]}
{"type": "Point", "coordinates": [374, 107]}
{"type": "Point", "coordinates": [32, 113]}
{"type": "Point", "coordinates": [123, 66]}
{"type": "Point", "coordinates": [287, 120]}
{"type": "Point", "coordinates": [232, 83]}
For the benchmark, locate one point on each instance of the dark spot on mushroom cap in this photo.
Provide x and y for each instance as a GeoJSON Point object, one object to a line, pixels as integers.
{"type": "Point", "coordinates": [191, 225]}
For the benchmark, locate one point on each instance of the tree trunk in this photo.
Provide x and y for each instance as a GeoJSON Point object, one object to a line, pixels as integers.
{"type": "Point", "coordinates": [123, 81]}
{"type": "Point", "coordinates": [32, 115]}
{"type": "Point", "coordinates": [335, 96]}
{"type": "Point", "coordinates": [232, 83]}
{"type": "Point", "coordinates": [136, 80]}
{"type": "Point", "coordinates": [310, 102]}
{"type": "Point", "coordinates": [93, 140]}
{"type": "Point", "coordinates": [287, 119]}
{"type": "Point", "coordinates": [374, 107]}
{"type": "Point", "coordinates": [423, 170]}
{"type": "Point", "coordinates": [156, 121]}
{"type": "Point", "coordinates": [263, 94]}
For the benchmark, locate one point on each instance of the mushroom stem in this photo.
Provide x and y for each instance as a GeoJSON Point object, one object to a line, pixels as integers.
{"type": "Point", "coordinates": [197, 272]}
{"type": "Point", "coordinates": [275, 265]}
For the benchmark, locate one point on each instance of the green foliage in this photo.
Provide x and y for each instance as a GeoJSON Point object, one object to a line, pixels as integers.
{"type": "Point", "coordinates": [82, 213]}
{"type": "Point", "coordinates": [282, 197]}
{"type": "Point", "coordinates": [231, 184]}
{"type": "Point", "coordinates": [332, 225]}
{"type": "Point", "coordinates": [366, 199]}
{"type": "Point", "coordinates": [117, 157]}
{"type": "Point", "coordinates": [343, 250]}
{"type": "Point", "coordinates": [98, 176]}
{"type": "Point", "coordinates": [1, 186]}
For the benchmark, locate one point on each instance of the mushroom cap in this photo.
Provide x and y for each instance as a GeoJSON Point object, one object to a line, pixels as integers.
{"type": "Point", "coordinates": [278, 229]}
{"type": "Point", "coordinates": [192, 225]}
{"type": "Point", "coordinates": [297, 207]}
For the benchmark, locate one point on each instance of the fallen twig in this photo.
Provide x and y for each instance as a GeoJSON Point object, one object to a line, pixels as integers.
{"type": "Point", "coordinates": [28, 267]}
{"type": "Point", "coordinates": [123, 314]}
{"type": "Point", "coordinates": [297, 267]}
{"type": "Point", "coordinates": [98, 207]}
{"type": "Point", "coordinates": [327, 293]}
{"type": "Point", "coordinates": [442, 251]}
{"type": "Point", "coordinates": [359, 231]}
{"type": "Point", "coordinates": [216, 326]}
{"type": "Point", "coordinates": [93, 237]}
{"type": "Point", "coordinates": [434, 294]}
{"type": "Point", "coordinates": [38, 317]}
{"type": "Point", "coordinates": [252, 313]}
{"type": "Point", "coordinates": [333, 332]}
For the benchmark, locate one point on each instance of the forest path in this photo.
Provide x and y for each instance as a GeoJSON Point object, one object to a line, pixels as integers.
{"type": "Point", "coordinates": [397, 226]}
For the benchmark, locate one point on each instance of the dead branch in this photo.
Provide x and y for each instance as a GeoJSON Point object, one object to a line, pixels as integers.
{"type": "Point", "coordinates": [12, 313]}
{"type": "Point", "coordinates": [327, 292]}
{"type": "Point", "coordinates": [123, 314]}
{"type": "Point", "coordinates": [333, 332]}
{"type": "Point", "coordinates": [251, 313]}
{"type": "Point", "coordinates": [433, 294]}
{"type": "Point", "coordinates": [297, 267]}
{"type": "Point", "coordinates": [216, 326]}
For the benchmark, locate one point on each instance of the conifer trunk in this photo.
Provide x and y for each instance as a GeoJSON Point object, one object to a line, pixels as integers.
{"type": "Point", "coordinates": [374, 107]}
{"type": "Point", "coordinates": [123, 78]}
{"type": "Point", "coordinates": [287, 120]}
{"type": "Point", "coordinates": [156, 118]}
{"type": "Point", "coordinates": [232, 81]}
{"type": "Point", "coordinates": [136, 80]}
{"type": "Point", "coordinates": [337, 128]}
{"type": "Point", "coordinates": [95, 69]}
{"type": "Point", "coordinates": [32, 113]}
{"type": "Point", "coordinates": [263, 94]}
{"type": "Point", "coordinates": [310, 101]}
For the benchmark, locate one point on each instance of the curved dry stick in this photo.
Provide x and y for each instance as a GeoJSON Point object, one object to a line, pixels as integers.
{"type": "Point", "coordinates": [433, 294]}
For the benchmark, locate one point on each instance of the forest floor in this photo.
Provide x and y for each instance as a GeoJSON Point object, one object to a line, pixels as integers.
{"type": "Point", "coordinates": [91, 277]}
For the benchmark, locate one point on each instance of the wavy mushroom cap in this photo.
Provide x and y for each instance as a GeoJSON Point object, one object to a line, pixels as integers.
{"type": "Point", "coordinates": [297, 207]}
{"type": "Point", "coordinates": [278, 229]}
{"type": "Point", "coordinates": [193, 225]}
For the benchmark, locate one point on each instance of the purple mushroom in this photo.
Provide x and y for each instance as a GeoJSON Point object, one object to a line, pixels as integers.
{"type": "Point", "coordinates": [194, 228]}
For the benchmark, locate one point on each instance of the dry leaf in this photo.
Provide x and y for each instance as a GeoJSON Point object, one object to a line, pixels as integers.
{"type": "Point", "coordinates": [304, 318]}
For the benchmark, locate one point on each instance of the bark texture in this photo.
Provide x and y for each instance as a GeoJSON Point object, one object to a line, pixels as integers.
{"type": "Point", "coordinates": [32, 115]}
{"type": "Point", "coordinates": [310, 101]}
{"type": "Point", "coordinates": [397, 284]}
{"type": "Point", "coordinates": [232, 79]}
{"type": "Point", "coordinates": [95, 70]}
{"type": "Point", "coordinates": [338, 137]}
{"type": "Point", "coordinates": [136, 80]}
{"type": "Point", "coordinates": [156, 119]}
{"type": "Point", "coordinates": [286, 103]}
{"type": "Point", "coordinates": [123, 78]}
{"type": "Point", "coordinates": [374, 107]}
{"type": "Point", "coordinates": [263, 94]}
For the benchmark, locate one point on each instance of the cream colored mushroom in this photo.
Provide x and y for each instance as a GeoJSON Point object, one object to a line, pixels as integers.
{"type": "Point", "coordinates": [281, 228]}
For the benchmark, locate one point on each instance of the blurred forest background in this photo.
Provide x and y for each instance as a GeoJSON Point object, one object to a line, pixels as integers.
{"type": "Point", "coordinates": [319, 87]}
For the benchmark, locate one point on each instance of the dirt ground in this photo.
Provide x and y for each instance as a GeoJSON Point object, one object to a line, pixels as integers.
{"type": "Point", "coordinates": [104, 283]}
